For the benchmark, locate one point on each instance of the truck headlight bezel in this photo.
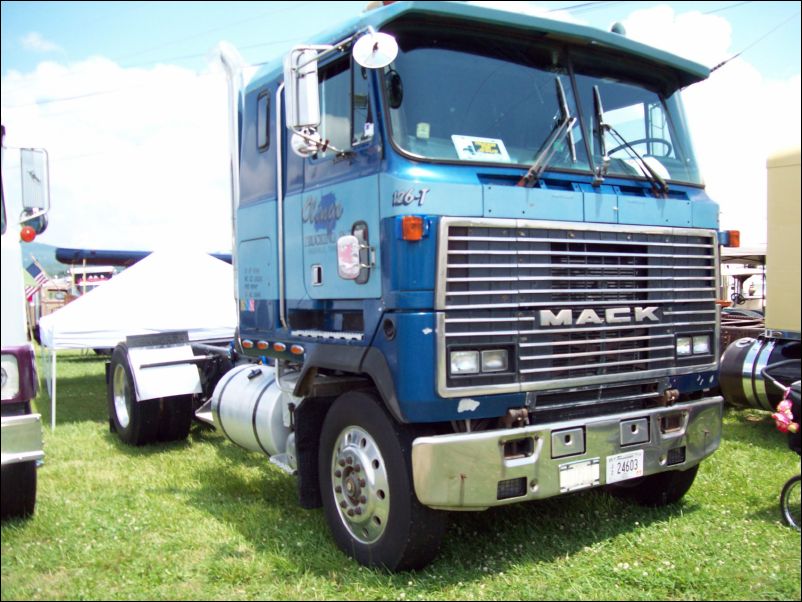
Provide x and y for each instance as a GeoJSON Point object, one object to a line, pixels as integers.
{"type": "Point", "coordinates": [10, 376]}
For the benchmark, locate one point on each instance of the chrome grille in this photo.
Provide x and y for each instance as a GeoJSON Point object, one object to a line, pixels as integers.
{"type": "Point", "coordinates": [575, 304]}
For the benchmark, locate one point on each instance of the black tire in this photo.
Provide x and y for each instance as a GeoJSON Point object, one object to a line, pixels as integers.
{"type": "Point", "coordinates": [176, 418]}
{"type": "Point", "coordinates": [656, 490]}
{"type": "Point", "coordinates": [18, 491]}
{"type": "Point", "coordinates": [135, 422]}
{"type": "Point", "coordinates": [790, 502]}
{"type": "Point", "coordinates": [366, 485]}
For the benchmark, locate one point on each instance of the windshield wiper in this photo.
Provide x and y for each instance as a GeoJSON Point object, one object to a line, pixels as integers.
{"type": "Point", "coordinates": [659, 186]}
{"type": "Point", "coordinates": [560, 131]}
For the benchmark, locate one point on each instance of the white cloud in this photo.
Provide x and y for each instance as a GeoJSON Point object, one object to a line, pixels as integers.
{"type": "Point", "coordinates": [738, 117]}
{"type": "Point", "coordinates": [137, 159]}
{"type": "Point", "coordinates": [36, 42]}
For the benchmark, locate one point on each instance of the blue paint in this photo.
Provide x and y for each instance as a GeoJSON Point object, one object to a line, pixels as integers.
{"type": "Point", "coordinates": [375, 185]}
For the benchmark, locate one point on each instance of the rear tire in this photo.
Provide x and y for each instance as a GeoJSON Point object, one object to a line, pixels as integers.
{"type": "Point", "coordinates": [18, 490]}
{"type": "Point", "coordinates": [136, 422]}
{"type": "Point", "coordinates": [176, 418]}
{"type": "Point", "coordinates": [366, 486]}
{"type": "Point", "coordinates": [656, 490]}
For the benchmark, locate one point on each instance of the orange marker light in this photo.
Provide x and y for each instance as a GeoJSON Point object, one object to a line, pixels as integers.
{"type": "Point", "coordinates": [279, 347]}
{"type": "Point", "coordinates": [412, 227]}
{"type": "Point", "coordinates": [735, 238]}
{"type": "Point", "coordinates": [246, 344]}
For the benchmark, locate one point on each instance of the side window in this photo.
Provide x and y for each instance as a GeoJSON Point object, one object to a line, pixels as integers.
{"type": "Point", "coordinates": [335, 105]}
{"type": "Point", "coordinates": [263, 121]}
{"type": "Point", "coordinates": [361, 116]}
{"type": "Point", "coordinates": [345, 116]}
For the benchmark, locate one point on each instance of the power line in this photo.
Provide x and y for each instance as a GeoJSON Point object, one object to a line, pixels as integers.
{"type": "Point", "coordinates": [755, 43]}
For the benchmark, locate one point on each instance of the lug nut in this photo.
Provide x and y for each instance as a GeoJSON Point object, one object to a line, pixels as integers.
{"type": "Point", "coordinates": [358, 511]}
{"type": "Point", "coordinates": [341, 462]}
{"type": "Point", "coordinates": [361, 482]}
{"type": "Point", "coordinates": [357, 468]}
{"type": "Point", "coordinates": [349, 460]}
{"type": "Point", "coordinates": [363, 499]}
{"type": "Point", "coordinates": [343, 504]}
{"type": "Point", "coordinates": [338, 473]}
{"type": "Point", "coordinates": [350, 512]}
{"type": "Point", "coordinates": [338, 489]}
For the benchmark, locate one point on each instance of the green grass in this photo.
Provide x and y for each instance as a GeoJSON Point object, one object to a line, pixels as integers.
{"type": "Point", "coordinates": [203, 519]}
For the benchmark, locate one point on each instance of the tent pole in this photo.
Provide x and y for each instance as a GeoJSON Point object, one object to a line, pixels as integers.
{"type": "Point", "coordinates": [53, 396]}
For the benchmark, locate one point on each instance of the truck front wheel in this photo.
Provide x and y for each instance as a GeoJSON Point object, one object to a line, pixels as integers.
{"type": "Point", "coordinates": [18, 490]}
{"type": "Point", "coordinates": [366, 485]}
{"type": "Point", "coordinates": [659, 489]}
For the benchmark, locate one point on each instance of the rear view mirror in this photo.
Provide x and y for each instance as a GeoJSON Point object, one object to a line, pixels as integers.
{"type": "Point", "coordinates": [301, 89]}
{"type": "Point", "coordinates": [35, 188]}
{"type": "Point", "coordinates": [372, 50]}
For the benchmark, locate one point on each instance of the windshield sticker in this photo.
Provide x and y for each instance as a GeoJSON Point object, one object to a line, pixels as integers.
{"type": "Point", "coordinates": [474, 148]}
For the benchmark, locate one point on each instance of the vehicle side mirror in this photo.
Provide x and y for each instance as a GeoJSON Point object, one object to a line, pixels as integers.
{"type": "Point", "coordinates": [35, 188]}
{"type": "Point", "coordinates": [301, 89]}
{"type": "Point", "coordinates": [372, 50]}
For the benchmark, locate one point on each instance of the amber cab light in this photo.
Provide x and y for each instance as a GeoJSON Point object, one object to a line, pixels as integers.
{"type": "Point", "coordinates": [412, 227]}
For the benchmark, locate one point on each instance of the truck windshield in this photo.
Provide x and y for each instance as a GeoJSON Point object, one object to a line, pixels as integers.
{"type": "Point", "coordinates": [457, 98]}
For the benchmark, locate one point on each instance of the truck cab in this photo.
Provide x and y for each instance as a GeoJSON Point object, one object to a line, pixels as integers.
{"type": "Point", "coordinates": [22, 447]}
{"type": "Point", "coordinates": [502, 236]}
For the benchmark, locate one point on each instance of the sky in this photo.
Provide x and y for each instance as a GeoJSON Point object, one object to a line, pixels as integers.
{"type": "Point", "coordinates": [129, 100]}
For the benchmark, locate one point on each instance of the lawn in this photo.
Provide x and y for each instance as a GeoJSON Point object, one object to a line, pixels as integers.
{"type": "Point", "coordinates": [204, 519]}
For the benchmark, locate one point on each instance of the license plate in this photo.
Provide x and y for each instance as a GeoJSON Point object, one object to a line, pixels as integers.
{"type": "Point", "coordinates": [621, 467]}
{"type": "Point", "coordinates": [579, 475]}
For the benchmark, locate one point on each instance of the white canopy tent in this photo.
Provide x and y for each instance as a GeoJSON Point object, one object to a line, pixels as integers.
{"type": "Point", "coordinates": [165, 291]}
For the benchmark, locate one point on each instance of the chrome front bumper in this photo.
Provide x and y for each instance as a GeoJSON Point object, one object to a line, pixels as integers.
{"type": "Point", "coordinates": [22, 439]}
{"type": "Point", "coordinates": [473, 471]}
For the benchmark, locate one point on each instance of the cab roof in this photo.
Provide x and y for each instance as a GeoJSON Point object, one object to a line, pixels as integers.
{"type": "Point", "coordinates": [684, 71]}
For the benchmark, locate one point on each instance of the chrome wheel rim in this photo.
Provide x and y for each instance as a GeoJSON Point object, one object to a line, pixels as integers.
{"type": "Point", "coordinates": [121, 395]}
{"type": "Point", "coordinates": [360, 485]}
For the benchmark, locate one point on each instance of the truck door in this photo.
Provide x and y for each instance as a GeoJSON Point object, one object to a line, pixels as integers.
{"type": "Point", "coordinates": [340, 194]}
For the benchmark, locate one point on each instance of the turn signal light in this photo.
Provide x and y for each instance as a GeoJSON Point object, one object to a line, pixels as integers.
{"type": "Point", "coordinates": [412, 227]}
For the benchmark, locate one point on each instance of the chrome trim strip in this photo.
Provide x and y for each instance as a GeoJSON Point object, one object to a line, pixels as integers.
{"type": "Point", "coordinates": [618, 340]}
{"type": "Point", "coordinates": [282, 304]}
{"type": "Point", "coordinates": [574, 303]}
{"type": "Point", "coordinates": [558, 291]}
{"type": "Point", "coordinates": [622, 327]}
{"type": "Point", "coordinates": [759, 382]}
{"type": "Point", "coordinates": [747, 372]}
{"type": "Point", "coordinates": [578, 253]}
{"type": "Point", "coordinates": [606, 364]}
{"type": "Point", "coordinates": [588, 277]}
{"type": "Point", "coordinates": [575, 241]}
{"type": "Point", "coordinates": [535, 358]}
{"type": "Point", "coordinates": [325, 334]}
{"type": "Point", "coordinates": [623, 266]}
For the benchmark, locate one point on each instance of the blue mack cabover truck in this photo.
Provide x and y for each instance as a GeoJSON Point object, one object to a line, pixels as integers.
{"type": "Point", "coordinates": [475, 265]}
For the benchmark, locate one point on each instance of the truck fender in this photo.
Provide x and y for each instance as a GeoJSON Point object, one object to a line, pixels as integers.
{"type": "Point", "coordinates": [353, 360]}
{"type": "Point", "coordinates": [162, 366]}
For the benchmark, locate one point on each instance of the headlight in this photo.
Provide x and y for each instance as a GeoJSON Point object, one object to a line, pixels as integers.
{"type": "Point", "coordinates": [494, 360]}
{"type": "Point", "coordinates": [684, 345]}
{"type": "Point", "coordinates": [464, 362]}
{"type": "Point", "coordinates": [10, 376]}
{"type": "Point", "coordinates": [701, 345]}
